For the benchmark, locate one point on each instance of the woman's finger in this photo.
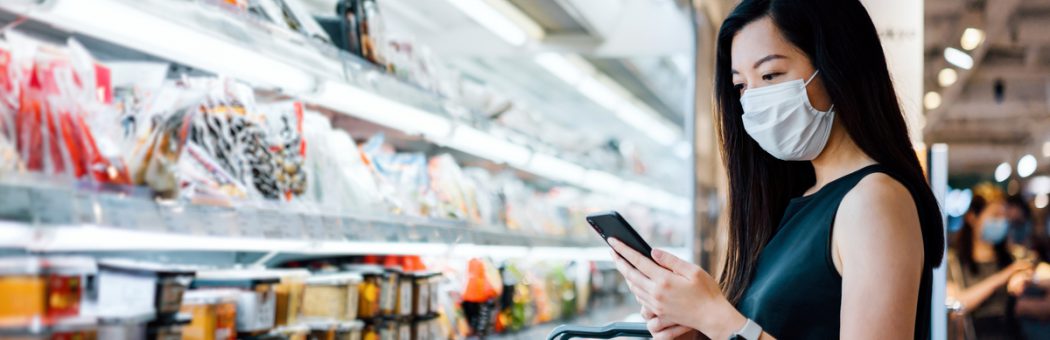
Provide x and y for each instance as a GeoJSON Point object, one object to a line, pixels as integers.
{"type": "Point", "coordinates": [636, 259]}
{"type": "Point", "coordinates": [635, 280]}
{"type": "Point", "coordinates": [658, 324]}
{"type": "Point", "coordinates": [671, 333]}
{"type": "Point", "coordinates": [647, 314]}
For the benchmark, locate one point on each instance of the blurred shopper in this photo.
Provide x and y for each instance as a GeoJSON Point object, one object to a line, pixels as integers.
{"type": "Point", "coordinates": [833, 229]}
{"type": "Point", "coordinates": [1019, 217]}
{"type": "Point", "coordinates": [981, 264]}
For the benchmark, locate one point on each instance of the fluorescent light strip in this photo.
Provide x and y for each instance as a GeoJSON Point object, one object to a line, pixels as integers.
{"type": "Point", "coordinates": [607, 93]}
{"type": "Point", "coordinates": [555, 168]}
{"type": "Point", "coordinates": [600, 181]}
{"type": "Point", "coordinates": [484, 145]}
{"type": "Point", "coordinates": [118, 22]}
{"type": "Point", "coordinates": [381, 110]}
{"type": "Point", "coordinates": [493, 20]}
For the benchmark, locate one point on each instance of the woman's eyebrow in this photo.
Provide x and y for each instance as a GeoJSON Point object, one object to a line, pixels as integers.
{"type": "Point", "coordinates": [768, 58]}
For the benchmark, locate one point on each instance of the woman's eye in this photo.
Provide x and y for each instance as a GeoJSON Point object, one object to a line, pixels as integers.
{"type": "Point", "coordinates": [738, 87]}
{"type": "Point", "coordinates": [770, 76]}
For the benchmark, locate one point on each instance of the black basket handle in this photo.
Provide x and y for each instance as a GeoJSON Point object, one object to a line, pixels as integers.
{"type": "Point", "coordinates": [609, 331]}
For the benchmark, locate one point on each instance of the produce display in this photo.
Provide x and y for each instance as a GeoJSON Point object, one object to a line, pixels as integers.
{"type": "Point", "coordinates": [341, 298]}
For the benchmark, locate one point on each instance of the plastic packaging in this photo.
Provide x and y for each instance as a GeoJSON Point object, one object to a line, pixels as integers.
{"type": "Point", "coordinates": [332, 297]}
{"type": "Point", "coordinates": [214, 313]}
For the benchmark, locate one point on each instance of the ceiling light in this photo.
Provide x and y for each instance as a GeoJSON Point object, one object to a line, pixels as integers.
{"type": "Point", "coordinates": [971, 38]}
{"type": "Point", "coordinates": [1026, 166]}
{"type": "Point", "coordinates": [958, 58]}
{"type": "Point", "coordinates": [1041, 201]}
{"type": "Point", "coordinates": [931, 100]}
{"type": "Point", "coordinates": [1046, 149]}
{"type": "Point", "coordinates": [1002, 172]}
{"type": "Point", "coordinates": [947, 77]}
{"type": "Point", "coordinates": [502, 19]}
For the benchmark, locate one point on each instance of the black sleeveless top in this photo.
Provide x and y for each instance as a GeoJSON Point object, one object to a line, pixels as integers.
{"type": "Point", "coordinates": [795, 291]}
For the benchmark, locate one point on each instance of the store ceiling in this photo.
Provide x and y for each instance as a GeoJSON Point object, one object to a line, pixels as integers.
{"type": "Point", "coordinates": [984, 129]}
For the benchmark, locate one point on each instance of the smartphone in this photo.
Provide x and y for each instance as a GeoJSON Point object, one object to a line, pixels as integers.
{"type": "Point", "coordinates": [611, 224]}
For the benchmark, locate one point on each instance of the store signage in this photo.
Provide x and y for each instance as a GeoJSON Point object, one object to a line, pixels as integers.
{"type": "Point", "coordinates": [900, 26]}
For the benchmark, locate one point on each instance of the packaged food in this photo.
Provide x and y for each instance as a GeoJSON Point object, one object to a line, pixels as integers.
{"type": "Point", "coordinates": [289, 295]}
{"type": "Point", "coordinates": [391, 291]}
{"type": "Point", "coordinates": [484, 286]}
{"type": "Point", "coordinates": [349, 330]}
{"type": "Point", "coordinates": [370, 330]}
{"type": "Point", "coordinates": [370, 291]}
{"type": "Point", "coordinates": [293, 332]}
{"type": "Point", "coordinates": [23, 291]}
{"type": "Point", "coordinates": [424, 328]}
{"type": "Point", "coordinates": [322, 330]}
{"type": "Point", "coordinates": [256, 303]}
{"type": "Point", "coordinates": [128, 288]}
{"type": "Point", "coordinates": [420, 293]}
{"type": "Point", "coordinates": [332, 297]}
{"type": "Point", "coordinates": [126, 328]}
{"type": "Point", "coordinates": [404, 328]}
{"type": "Point", "coordinates": [214, 314]}
{"type": "Point", "coordinates": [170, 329]}
{"type": "Point", "coordinates": [388, 329]}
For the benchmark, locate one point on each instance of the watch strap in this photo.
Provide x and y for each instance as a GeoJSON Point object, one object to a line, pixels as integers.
{"type": "Point", "coordinates": [750, 331]}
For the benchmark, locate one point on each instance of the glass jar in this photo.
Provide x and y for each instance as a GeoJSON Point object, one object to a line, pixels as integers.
{"type": "Point", "coordinates": [370, 290]}
{"type": "Point", "coordinates": [214, 314]}
{"type": "Point", "coordinates": [22, 291]}
{"type": "Point", "coordinates": [370, 331]}
{"type": "Point", "coordinates": [388, 329]}
{"type": "Point", "coordinates": [349, 330]}
{"type": "Point", "coordinates": [65, 284]}
{"type": "Point", "coordinates": [289, 294]}
{"type": "Point", "coordinates": [389, 302]}
{"type": "Point", "coordinates": [256, 303]}
{"type": "Point", "coordinates": [332, 297]}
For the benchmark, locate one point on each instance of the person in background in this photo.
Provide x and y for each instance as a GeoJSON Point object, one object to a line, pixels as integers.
{"type": "Point", "coordinates": [981, 265]}
{"type": "Point", "coordinates": [1019, 217]}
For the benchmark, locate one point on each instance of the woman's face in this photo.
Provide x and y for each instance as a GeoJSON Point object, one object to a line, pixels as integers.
{"type": "Point", "coordinates": [994, 210]}
{"type": "Point", "coordinates": [761, 56]}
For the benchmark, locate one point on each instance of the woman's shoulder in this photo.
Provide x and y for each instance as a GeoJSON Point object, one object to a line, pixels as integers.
{"type": "Point", "coordinates": [878, 206]}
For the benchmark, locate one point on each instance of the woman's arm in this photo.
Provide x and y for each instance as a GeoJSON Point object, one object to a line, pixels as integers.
{"type": "Point", "coordinates": [973, 296]}
{"type": "Point", "coordinates": [877, 247]}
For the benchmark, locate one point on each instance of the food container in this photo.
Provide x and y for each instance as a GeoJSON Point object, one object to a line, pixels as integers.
{"type": "Point", "coordinates": [296, 332]}
{"type": "Point", "coordinates": [404, 329]}
{"type": "Point", "coordinates": [389, 302]}
{"type": "Point", "coordinates": [289, 295]}
{"type": "Point", "coordinates": [127, 288]}
{"type": "Point", "coordinates": [256, 303]}
{"type": "Point", "coordinates": [435, 281]}
{"type": "Point", "coordinates": [421, 291]}
{"type": "Point", "coordinates": [388, 329]}
{"type": "Point", "coordinates": [421, 328]}
{"type": "Point", "coordinates": [349, 330]}
{"type": "Point", "coordinates": [170, 329]}
{"type": "Point", "coordinates": [322, 330]}
{"type": "Point", "coordinates": [65, 284]}
{"type": "Point", "coordinates": [22, 291]}
{"type": "Point", "coordinates": [370, 331]}
{"type": "Point", "coordinates": [332, 297]}
{"type": "Point", "coordinates": [126, 328]}
{"type": "Point", "coordinates": [214, 314]}
{"type": "Point", "coordinates": [370, 290]}
{"type": "Point", "coordinates": [405, 299]}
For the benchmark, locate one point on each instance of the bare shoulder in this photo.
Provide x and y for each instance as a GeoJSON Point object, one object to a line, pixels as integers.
{"type": "Point", "coordinates": [882, 196]}
{"type": "Point", "coordinates": [879, 215]}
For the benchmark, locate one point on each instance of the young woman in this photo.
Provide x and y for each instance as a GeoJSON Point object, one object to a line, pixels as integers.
{"type": "Point", "coordinates": [833, 230]}
{"type": "Point", "coordinates": [981, 265]}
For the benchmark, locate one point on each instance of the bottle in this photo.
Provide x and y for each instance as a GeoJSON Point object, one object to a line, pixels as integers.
{"type": "Point", "coordinates": [349, 12]}
{"type": "Point", "coordinates": [371, 32]}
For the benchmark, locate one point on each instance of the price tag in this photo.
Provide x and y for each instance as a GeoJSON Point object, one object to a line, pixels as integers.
{"type": "Point", "coordinates": [15, 203]}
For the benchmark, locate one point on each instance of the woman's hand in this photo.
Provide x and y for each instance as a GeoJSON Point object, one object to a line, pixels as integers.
{"type": "Point", "coordinates": [661, 330]}
{"type": "Point", "coordinates": [1018, 282]}
{"type": "Point", "coordinates": [675, 292]}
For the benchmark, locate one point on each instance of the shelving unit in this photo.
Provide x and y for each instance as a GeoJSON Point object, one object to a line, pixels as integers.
{"type": "Point", "coordinates": [317, 74]}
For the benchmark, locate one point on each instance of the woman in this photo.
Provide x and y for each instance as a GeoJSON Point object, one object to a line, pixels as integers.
{"type": "Point", "coordinates": [981, 265]}
{"type": "Point", "coordinates": [833, 230]}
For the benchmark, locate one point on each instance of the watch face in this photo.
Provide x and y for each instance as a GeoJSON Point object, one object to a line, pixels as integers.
{"type": "Point", "coordinates": [736, 337]}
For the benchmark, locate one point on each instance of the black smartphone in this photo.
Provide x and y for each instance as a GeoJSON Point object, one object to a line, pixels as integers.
{"type": "Point", "coordinates": [611, 224]}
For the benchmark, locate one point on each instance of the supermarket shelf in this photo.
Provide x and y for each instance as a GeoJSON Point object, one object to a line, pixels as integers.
{"type": "Point", "coordinates": [298, 67]}
{"type": "Point", "coordinates": [93, 238]}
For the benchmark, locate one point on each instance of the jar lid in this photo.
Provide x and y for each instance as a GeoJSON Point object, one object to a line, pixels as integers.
{"type": "Point", "coordinates": [70, 265]}
{"type": "Point", "coordinates": [339, 279]}
{"type": "Point", "coordinates": [235, 278]}
{"type": "Point", "coordinates": [364, 269]}
{"type": "Point", "coordinates": [129, 265]}
{"type": "Point", "coordinates": [209, 296]}
{"type": "Point", "coordinates": [355, 325]}
{"type": "Point", "coordinates": [10, 266]}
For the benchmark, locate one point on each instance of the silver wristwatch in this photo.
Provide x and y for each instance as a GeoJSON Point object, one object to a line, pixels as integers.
{"type": "Point", "coordinates": [750, 331]}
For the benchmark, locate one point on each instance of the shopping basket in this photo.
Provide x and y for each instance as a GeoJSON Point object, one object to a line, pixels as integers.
{"type": "Point", "coordinates": [612, 330]}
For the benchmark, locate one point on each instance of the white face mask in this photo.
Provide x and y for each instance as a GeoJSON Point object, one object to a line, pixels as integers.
{"type": "Point", "coordinates": [783, 122]}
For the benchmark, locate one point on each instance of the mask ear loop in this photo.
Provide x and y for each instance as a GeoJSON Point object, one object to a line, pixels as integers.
{"type": "Point", "coordinates": [810, 80]}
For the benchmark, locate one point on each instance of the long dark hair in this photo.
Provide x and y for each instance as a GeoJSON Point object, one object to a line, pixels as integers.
{"type": "Point", "coordinates": [840, 39]}
{"type": "Point", "coordinates": [963, 239]}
